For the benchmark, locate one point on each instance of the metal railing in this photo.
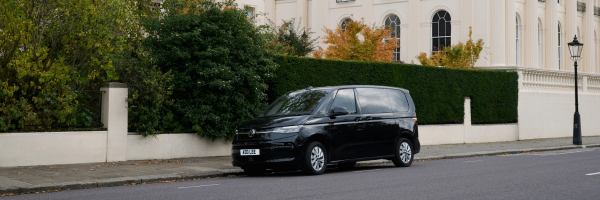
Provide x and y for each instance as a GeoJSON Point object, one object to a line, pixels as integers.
{"type": "Point", "coordinates": [87, 115]}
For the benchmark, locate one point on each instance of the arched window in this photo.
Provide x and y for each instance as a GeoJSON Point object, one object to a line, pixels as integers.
{"type": "Point", "coordinates": [393, 23]}
{"type": "Point", "coordinates": [344, 23]}
{"type": "Point", "coordinates": [440, 31]}
{"type": "Point", "coordinates": [539, 44]}
{"type": "Point", "coordinates": [559, 48]}
{"type": "Point", "coordinates": [518, 37]}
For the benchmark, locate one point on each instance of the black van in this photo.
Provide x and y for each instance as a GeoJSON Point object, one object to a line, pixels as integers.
{"type": "Point", "coordinates": [311, 128]}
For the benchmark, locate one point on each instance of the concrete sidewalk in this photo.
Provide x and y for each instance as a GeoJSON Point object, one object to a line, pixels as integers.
{"type": "Point", "coordinates": [21, 180]}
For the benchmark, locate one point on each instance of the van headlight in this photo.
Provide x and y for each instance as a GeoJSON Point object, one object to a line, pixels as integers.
{"type": "Point", "coordinates": [287, 129]}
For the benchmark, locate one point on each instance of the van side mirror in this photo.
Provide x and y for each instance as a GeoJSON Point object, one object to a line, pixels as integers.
{"type": "Point", "coordinates": [337, 111]}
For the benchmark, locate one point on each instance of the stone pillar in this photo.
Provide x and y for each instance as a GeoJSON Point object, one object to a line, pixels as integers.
{"type": "Point", "coordinates": [530, 39]}
{"type": "Point", "coordinates": [511, 33]}
{"type": "Point", "coordinates": [467, 18]}
{"type": "Point", "coordinates": [551, 35]}
{"type": "Point", "coordinates": [367, 12]}
{"type": "Point", "coordinates": [270, 11]}
{"type": "Point", "coordinates": [570, 26]}
{"type": "Point", "coordinates": [467, 120]}
{"type": "Point", "coordinates": [498, 32]}
{"type": "Point", "coordinates": [420, 37]}
{"type": "Point", "coordinates": [302, 12]}
{"type": "Point", "coordinates": [588, 57]}
{"type": "Point", "coordinates": [114, 117]}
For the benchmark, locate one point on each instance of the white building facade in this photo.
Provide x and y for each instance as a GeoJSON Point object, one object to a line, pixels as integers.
{"type": "Point", "coordinates": [526, 36]}
{"type": "Point", "coordinates": [526, 33]}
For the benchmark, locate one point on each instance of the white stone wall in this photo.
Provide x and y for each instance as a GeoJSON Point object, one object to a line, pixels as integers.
{"type": "Point", "coordinates": [26, 149]}
{"type": "Point", "coordinates": [181, 145]}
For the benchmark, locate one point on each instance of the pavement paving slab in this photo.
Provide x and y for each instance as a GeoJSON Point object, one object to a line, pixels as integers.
{"type": "Point", "coordinates": [29, 179]}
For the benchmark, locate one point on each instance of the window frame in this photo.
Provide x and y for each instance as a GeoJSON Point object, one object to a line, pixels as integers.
{"type": "Point", "coordinates": [357, 107]}
{"type": "Point", "coordinates": [397, 33]}
{"type": "Point", "coordinates": [344, 23]}
{"type": "Point", "coordinates": [559, 47]}
{"type": "Point", "coordinates": [448, 29]}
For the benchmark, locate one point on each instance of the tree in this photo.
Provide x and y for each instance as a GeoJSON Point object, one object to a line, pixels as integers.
{"type": "Point", "coordinates": [358, 42]}
{"type": "Point", "coordinates": [289, 39]}
{"type": "Point", "coordinates": [459, 56]}
{"type": "Point", "coordinates": [219, 62]}
{"type": "Point", "coordinates": [51, 50]}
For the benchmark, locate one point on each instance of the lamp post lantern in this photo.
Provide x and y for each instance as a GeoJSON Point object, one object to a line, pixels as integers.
{"type": "Point", "coordinates": [575, 49]}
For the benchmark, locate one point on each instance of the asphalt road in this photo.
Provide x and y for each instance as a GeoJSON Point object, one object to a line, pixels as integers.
{"type": "Point", "coordinates": [572, 174]}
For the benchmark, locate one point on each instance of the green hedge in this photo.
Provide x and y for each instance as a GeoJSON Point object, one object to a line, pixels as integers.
{"type": "Point", "coordinates": [438, 93]}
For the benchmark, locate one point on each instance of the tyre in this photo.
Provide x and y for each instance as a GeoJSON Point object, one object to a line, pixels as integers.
{"type": "Point", "coordinates": [347, 165]}
{"type": "Point", "coordinates": [254, 171]}
{"type": "Point", "coordinates": [403, 155]}
{"type": "Point", "coordinates": [315, 159]}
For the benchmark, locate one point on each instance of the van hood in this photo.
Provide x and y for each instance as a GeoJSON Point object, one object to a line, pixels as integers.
{"type": "Point", "coordinates": [273, 122]}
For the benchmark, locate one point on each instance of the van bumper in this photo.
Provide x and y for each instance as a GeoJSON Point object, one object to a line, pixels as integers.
{"type": "Point", "coordinates": [272, 155]}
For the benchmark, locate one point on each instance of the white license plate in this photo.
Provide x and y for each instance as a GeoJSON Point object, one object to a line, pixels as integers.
{"type": "Point", "coordinates": [249, 152]}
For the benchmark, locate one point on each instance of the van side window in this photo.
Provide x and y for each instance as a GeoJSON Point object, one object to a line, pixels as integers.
{"type": "Point", "coordinates": [345, 98]}
{"type": "Point", "coordinates": [373, 100]}
{"type": "Point", "coordinates": [398, 100]}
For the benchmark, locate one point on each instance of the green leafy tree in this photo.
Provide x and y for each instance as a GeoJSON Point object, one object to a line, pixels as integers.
{"type": "Point", "coordinates": [50, 50]}
{"type": "Point", "coordinates": [219, 63]}
{"type": "Point", "coordinates": [291, 39]}
{"type": "Point", "coordinates": [149, 93]}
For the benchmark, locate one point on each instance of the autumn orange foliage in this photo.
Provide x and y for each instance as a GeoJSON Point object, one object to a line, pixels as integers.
{"type": "Point", "coordinates": [358, 42]}
{"type": "Point", "coordinates": [459, 56]}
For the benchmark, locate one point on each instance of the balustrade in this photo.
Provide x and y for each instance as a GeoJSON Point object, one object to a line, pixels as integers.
{"type": "Point", "coordinates": [553, 81]}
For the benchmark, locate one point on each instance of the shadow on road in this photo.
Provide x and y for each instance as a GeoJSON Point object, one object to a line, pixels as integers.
{"type": "Point", "coordinates": [330, 170]}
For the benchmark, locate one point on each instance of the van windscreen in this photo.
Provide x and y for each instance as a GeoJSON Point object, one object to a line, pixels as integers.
{"type": "Point", "coordinates": [295, 103]}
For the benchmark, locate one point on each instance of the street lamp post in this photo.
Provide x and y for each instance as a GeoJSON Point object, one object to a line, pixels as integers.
{"type": "Point", "coordinates": [575, 48]}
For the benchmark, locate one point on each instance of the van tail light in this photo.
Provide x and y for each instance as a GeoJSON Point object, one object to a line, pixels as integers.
{"type": "Point", "coordinates": [415, 119]}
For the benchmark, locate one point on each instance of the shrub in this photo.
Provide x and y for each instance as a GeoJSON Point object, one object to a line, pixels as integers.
{"type": "Point", "coordinates": [291, 39]}
{"type": "Point", "coordinates": [438, 93]}
{"type": "Point", "coordinates": [219, 63]}
{"type": "Point", "coordinates": [50, 51]}
{"type": "Point", "coordinates": [459, 56]}
{"type": "Point", "coordinates": [358, 42]}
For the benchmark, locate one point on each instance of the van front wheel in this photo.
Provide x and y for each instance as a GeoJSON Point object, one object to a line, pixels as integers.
{"type": "Point", "coordinates": [315, 159]}
{"type": "Point", "coordinates": [403, 155]}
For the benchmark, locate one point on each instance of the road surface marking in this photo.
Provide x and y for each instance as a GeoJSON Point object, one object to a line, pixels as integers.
{"type": "Point", "coordinates": [473, 161]}
{"type": "Point", "coordinates": [593, 174]}
{"type": "Point", "coordinates": [197, 186]}
{"type": "Point", "coordinates": [368, 170]}
{"type": "Point", "coordinates": [562, 153]}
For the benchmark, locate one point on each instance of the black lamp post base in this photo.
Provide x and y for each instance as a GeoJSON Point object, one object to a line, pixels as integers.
{"type": "Point", "coordinates": [576, 129]}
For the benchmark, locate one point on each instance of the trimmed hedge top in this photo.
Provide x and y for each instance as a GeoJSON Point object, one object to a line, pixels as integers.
{"type": "Point", "coordinates": [438, 93]}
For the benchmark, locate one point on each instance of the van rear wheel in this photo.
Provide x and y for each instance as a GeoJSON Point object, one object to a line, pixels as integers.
{"type": "Point", "coordinates": [403, 155]}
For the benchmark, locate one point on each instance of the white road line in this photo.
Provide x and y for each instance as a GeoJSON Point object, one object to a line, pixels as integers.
{"type": "Point", "coordinates": [368, 170]}
{"type": "Point", "coordinates": [597, 173]}
{"type": "Point", "coordinates": [473, 161]}
{"type": "Point", "coordinates": [197, 186]}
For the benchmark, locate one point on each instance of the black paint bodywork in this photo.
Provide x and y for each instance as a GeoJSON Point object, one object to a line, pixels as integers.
{"type": "Point", "coordinates": [347, 138]}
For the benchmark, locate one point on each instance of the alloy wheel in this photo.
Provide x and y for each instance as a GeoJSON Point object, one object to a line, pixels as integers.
{"type": "Point", "coordinates": [317, 159]}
